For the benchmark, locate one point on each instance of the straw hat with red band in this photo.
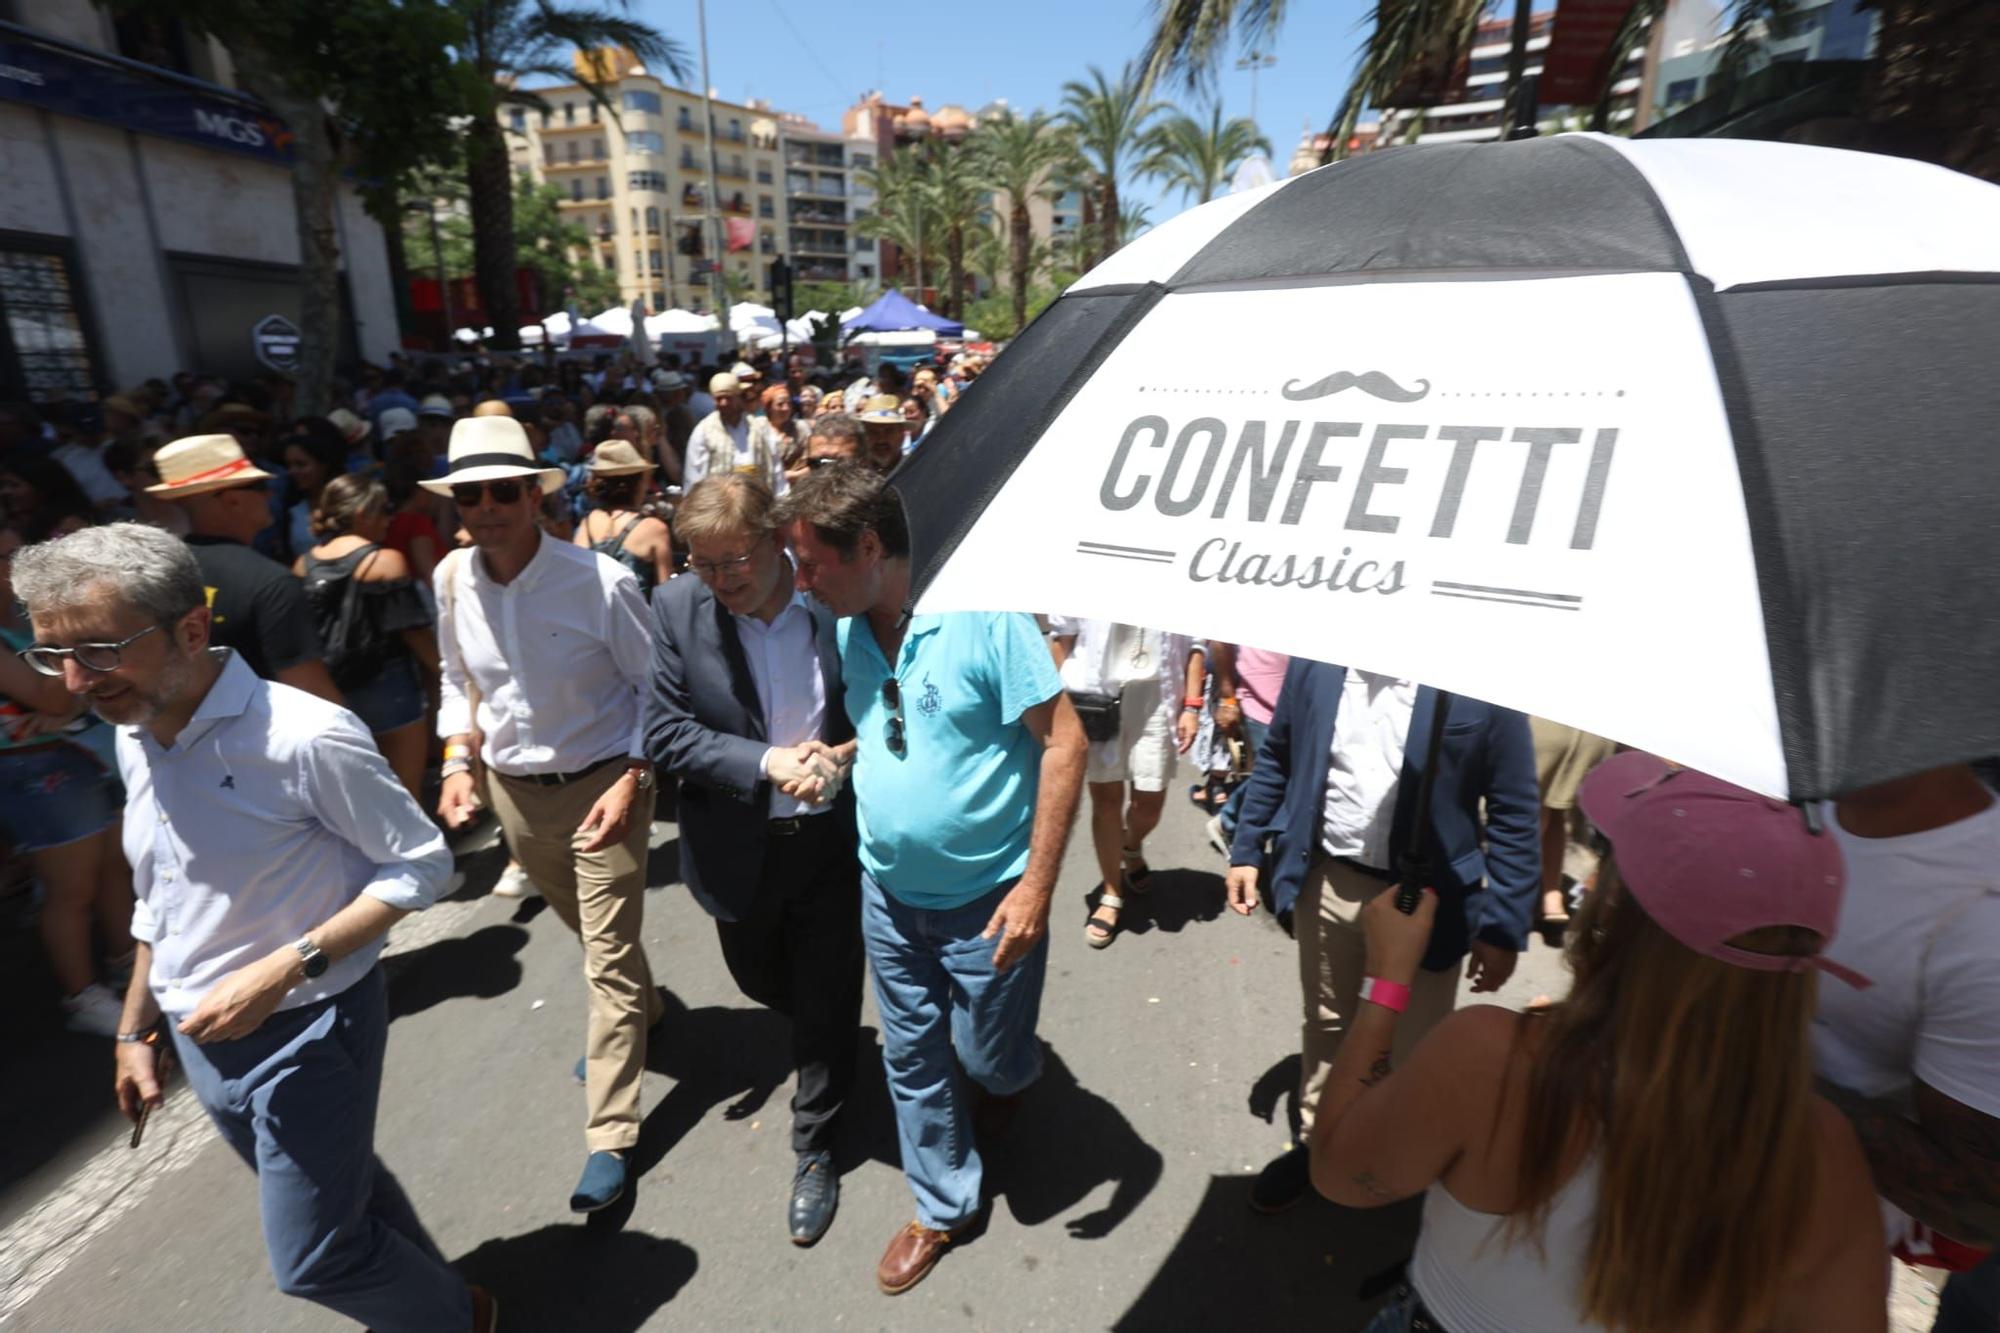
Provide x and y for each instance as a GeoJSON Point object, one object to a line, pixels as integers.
{"type": "Point", "coordinates": [1710, 862]}
{"type": "Point", "coordinates": [199, 464]}
{"type": "Point", "coordinates": [491, 449]}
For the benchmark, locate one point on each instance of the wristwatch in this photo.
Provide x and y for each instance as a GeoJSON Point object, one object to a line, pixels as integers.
{"type": "Point", "coordinates": [642, 775]}
{"type": "Point", "coordinates": [311, 959]}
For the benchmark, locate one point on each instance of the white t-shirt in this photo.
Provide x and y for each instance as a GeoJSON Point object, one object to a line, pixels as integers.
{"type": "Point", "coordinates": [1921, 920]}
{"type": "Point", "coordinates": [1365, 767]}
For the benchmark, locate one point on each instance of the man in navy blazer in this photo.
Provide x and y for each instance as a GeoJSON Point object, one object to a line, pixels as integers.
{"type": "Point", "coordinates": [1326, 822]}
{"type": "Point", "coordinates": [746, 698]}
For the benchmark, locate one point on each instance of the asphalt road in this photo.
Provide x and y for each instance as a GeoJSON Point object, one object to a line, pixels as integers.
{"type": "Point", "coordinates": [1119, 1196]}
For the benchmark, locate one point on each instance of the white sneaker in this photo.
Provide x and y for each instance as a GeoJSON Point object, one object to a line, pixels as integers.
{"type": "Point", "coordinates": [94, 1010]}
{"type": "Point", "coordinates": [514, 883]}
{"type": "Point", "coordinates": [1216, 837]}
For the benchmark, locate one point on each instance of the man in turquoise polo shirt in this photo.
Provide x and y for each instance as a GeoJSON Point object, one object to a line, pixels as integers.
{"type": "Point", "coordinates": [968, 760]}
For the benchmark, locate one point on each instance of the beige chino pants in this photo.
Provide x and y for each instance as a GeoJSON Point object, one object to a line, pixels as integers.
{"type": "Point", "coordinates": [601, 896]}
{"type": "Point", "coordinates": [1327, 925]}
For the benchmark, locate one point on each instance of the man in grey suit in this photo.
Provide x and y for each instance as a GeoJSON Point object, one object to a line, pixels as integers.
{"type": "Point", "coordinates": [743, 713]}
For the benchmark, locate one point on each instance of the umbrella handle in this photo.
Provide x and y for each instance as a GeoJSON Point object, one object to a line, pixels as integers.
{"type": "Point", "coordinates": [1416, 865]}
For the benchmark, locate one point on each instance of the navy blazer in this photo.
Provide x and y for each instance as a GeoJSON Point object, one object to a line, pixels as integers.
{"type": "Point", "coordinates": [1488, 754]}
{"type": "Point", "coordinates": [705, 729]}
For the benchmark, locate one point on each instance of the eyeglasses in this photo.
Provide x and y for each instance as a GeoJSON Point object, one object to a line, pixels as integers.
{"type": "Point", "coordinates": [713, 569]}
{"type": "Point", "coordinates": [94, 657]}
{"type": "Point", "coordinates": [892, 697]}
{"type": "Point", "coordinates": [825, 460]}
{"type": "Point", "coordinates": [505, 491]}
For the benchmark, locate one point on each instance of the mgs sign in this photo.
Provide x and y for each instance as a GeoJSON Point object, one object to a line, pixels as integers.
{"type": "Point", "coordinates": [276, 342]}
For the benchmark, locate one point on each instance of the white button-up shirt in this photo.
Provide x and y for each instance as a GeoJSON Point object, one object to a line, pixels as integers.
{"type": "Point", "coordinates": [1365, 767]}
{"type": "Point", "coordinates": [561, 657]}
{"type": "Point", "coordinates": [271, 811]}
{"type": "Point", "coordinates": [784, 662]}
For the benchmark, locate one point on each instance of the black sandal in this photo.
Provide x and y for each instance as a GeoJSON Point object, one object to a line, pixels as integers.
{"type": "Point", "coordinates": [1138, 876]}
{"type": "Point", "coordinates": [1110, 928]}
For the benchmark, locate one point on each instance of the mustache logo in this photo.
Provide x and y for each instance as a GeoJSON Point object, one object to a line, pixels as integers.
{"type": "Point", "coordinates": [1368, 381]}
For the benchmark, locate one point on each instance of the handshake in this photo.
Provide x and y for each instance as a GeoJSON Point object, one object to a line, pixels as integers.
{"type": "Point", "coordinates": [813, 772]}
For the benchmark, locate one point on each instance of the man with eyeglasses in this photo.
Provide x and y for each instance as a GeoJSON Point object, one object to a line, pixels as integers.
{"type": "Point", "coordinates": [552, 639]}
{"type": "Point", "coordinates": [272, 849]}
{"type": "Point", "coordinates": [257, 607]}
{"type": "Point", "coordinates": [746, 683]}
{"type": "Point", "coordinates": [967, 764]}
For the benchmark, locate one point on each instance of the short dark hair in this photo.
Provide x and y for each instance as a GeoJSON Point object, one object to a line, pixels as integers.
{"type": "Point", "coordinates": [843, 501]}
{"type": "Point", "coordinates": [838, 426]}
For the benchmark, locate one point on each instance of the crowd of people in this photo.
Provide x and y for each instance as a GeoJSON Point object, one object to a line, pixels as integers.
{"type": "Point", "coordinates": [264, 664]}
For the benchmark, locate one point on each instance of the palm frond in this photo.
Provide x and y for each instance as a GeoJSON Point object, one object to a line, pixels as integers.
{"type": "Point", "coordinates": [1190, 36]}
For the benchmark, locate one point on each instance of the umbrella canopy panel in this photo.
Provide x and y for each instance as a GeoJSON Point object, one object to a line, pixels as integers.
{"type": "Point", "coordinates": [893, 311]}
{"type": "Point", "coordinates": [1506, 407]}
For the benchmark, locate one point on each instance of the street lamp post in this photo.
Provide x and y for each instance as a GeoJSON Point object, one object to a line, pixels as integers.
{"type": "Point", "coordinates": [717, 283]}
{"type": "Point", "coordinates": [1255, 61]}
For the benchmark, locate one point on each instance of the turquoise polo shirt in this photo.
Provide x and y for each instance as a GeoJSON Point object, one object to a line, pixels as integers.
{"type": "Point", "coordinates": [948, 820]}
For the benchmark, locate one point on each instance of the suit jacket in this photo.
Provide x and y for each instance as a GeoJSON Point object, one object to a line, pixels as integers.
{"type": "Point", "coordinates": [705, 729]}
{"type": "Point", "coordinates": [1486, 892]}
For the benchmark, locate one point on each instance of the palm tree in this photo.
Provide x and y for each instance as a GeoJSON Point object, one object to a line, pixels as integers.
{"type": "Point", "coordinates": [958, 193]}
{"type": "Point", "coordinates": [504, 43]}
{"type": "Point", "coordinates": [1134, 220]}
{"type": "Point", "coordinates": [1108, 120]}
{"type": "Point", "coordinates": [901, 214]}
{"type": "Point", "coordinates": [1932, 93]}
{"type": "Point", "coordinates": [1196, 156]}
{"type": "Point", "coordinates": [1023, 159]}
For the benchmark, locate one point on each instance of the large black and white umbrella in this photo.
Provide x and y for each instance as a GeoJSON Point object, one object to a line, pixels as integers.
{"type": "Point", "coordinates": [1694, 444]}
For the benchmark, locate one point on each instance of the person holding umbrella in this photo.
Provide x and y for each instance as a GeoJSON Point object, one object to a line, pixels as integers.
{"type": "Point", "coordinates": [1648, 1153]}
{"type": "Point", "coordinates": [1329, 789]}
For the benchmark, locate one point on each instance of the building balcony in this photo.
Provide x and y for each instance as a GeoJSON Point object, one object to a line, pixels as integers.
{"type": "Point", "coordinates": [815, 191]}
{"type": "Point", "coordinates": [583, 126]}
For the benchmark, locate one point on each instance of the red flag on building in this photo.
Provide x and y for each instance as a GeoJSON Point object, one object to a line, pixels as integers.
{"type": "Point", "coordinates": [741, 233]}
{"type": "Point", "coordinates": [1580, 61]}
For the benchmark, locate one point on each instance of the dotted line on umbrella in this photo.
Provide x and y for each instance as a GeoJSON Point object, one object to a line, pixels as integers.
{"type": "Point", "coordinates": [1471, 393]}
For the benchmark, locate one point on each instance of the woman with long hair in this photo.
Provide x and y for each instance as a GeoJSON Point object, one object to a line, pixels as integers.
{"type": "Point", "coordinates": [1648, 1154]}
{"type": "Point", "coordinates": [616, 525]}
{"type": "Point", "coordinates": [374, 626]}
{"type": "Point", "coordinates": [315, 453]}
{"type": "Point", "coordinates": [41, 499]}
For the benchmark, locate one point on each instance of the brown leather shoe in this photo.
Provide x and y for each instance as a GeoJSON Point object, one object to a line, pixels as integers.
{"type": "Point", "coordinates": [485, 1311]}
{"type": "Point", "coordinates": [911, 1256]}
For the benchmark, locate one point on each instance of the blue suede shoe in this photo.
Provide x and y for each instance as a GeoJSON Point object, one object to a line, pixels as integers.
{"type": "Point", "coordinates": [602, 1185]}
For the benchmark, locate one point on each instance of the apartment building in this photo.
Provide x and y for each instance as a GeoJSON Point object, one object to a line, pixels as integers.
{"type": "Point", "coordinates": [818, 189]}
{"type": "Point", "coordinates": [635, 176]}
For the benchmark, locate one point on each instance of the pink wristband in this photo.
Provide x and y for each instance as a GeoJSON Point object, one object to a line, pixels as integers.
{"type": "Point", "coordinates": [1392, 995]}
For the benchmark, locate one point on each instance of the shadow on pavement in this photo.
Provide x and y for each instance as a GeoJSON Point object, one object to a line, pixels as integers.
{"type": "Point", "coordinates": [715, 1055]}
{"type": "Point", "coordinates": [1278, 1084]}
{"type": "Point", "coordinates": [1176, 900]}
{"type": "Point", "coordinates": [482, 964]}
{"type": "Point", "coordinates": [567, 1277]}
{"type": "Point", "coordinates": [1305, 1268]}
{"type": "Point", "coordinates": [1064, 1143]}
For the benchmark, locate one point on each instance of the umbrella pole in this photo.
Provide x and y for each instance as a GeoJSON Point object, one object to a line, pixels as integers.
{"type": "Point", "coordinates": [1416, 865]}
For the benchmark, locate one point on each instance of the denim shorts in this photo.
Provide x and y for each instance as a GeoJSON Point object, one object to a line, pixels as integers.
{"type": "Point", "coordinates": [392, 700]}
{"type": "Point", "coordinates": [53, 794]}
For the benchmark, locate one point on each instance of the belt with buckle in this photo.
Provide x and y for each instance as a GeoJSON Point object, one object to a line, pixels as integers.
{"type": "Point", "coordinates": [791, 825]}
{"type": "Point", "coordinates": [1386, 876]}
{"type": "Point", "coordinates": [564, 779]}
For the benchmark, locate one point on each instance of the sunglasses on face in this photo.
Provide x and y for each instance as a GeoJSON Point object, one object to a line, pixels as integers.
{"type": "Point", "coordinates": [505, 491]}
{"type": "Point", "coordinates": [892, 697]}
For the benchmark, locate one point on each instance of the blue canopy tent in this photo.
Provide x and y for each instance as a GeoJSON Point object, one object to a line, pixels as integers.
{"type": "Point", "coordinates": [894, 312]}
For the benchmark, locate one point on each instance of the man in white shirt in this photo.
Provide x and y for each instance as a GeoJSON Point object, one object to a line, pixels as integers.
{"type": "Point", "coordinates": [1329, 794]}
{"type": "Point", "coordinates": [1914, 1059]}
{"type": "Point", "coordinates": [271, 849]}
{"type": "Point", "coordinates": [553, 639]}
{"type": "Point", "coordinates": [746, 678]}
{"type": "Point", "coordinates": [730, 439]}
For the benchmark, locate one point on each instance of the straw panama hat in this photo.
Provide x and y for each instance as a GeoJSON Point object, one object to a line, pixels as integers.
{"type": "Point", "coordinates": [351, 427]}
{"type": "Point", "coordinates": [724, 383]}
{"type": "Point", "coordinates": [489, 449]}
{"type": "Point", "coordinates": [198, 464]}
{"type": "Point", "coordinates": [884, 409]}
{"type": "Point", "coordinates": [617, 458]}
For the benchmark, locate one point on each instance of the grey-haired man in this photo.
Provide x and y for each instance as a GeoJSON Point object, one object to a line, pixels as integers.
{"type": "Point", "coordinates": [272, 848]}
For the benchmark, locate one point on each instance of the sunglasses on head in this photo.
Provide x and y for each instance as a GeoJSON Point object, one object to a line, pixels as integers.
{"type": "Point", "coordinates": [504, 491]}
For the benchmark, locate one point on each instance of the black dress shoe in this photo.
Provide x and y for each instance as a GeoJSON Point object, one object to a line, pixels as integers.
{"type": "Point", "coordinates": [1283, 1182]}
{"type": "Point", "coordinates": [815, 1195]}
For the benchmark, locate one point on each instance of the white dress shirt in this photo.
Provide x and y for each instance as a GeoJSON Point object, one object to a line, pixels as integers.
{"type": "Point", "coordinates": [784, 662]}
{"type": "Point", "coordinates": [561, 656]}
{"type": "Point", "coordinates": [1109, 656]}
{"type": "Point", "coordinates": [271, 812]}
{"type": "Point", "coordinates": [1365, 767]}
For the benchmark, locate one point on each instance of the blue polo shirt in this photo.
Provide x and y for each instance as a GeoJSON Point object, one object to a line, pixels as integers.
{"type": "Point", "coordinates": [949, 819]}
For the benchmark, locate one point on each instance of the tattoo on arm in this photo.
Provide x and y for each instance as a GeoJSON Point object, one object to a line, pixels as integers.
{"type": "Point", "coordinates": [1366, 1182]}
{"type": "Point", "coordinates": [1376, 1071]}
{"type": "Point", "coordinates": [1942, 1169]}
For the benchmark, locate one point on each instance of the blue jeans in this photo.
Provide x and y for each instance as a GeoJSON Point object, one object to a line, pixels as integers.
{"type": "Point", "coordinates": [296, 1100]}
{"type": "Point", "coordinates": [1970, 1302]}
{"type": "Point", "coordinates": [1253, 736]}
{"type": "Point", "coordinates": [938, 995]}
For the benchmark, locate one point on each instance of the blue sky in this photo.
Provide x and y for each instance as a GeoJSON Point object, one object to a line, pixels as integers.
{"type": "Point", "coordinates": [817, 57]}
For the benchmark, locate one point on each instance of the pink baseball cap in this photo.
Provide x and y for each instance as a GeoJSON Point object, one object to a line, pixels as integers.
{"type": "Point", "coordinates": [1710, 861]}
